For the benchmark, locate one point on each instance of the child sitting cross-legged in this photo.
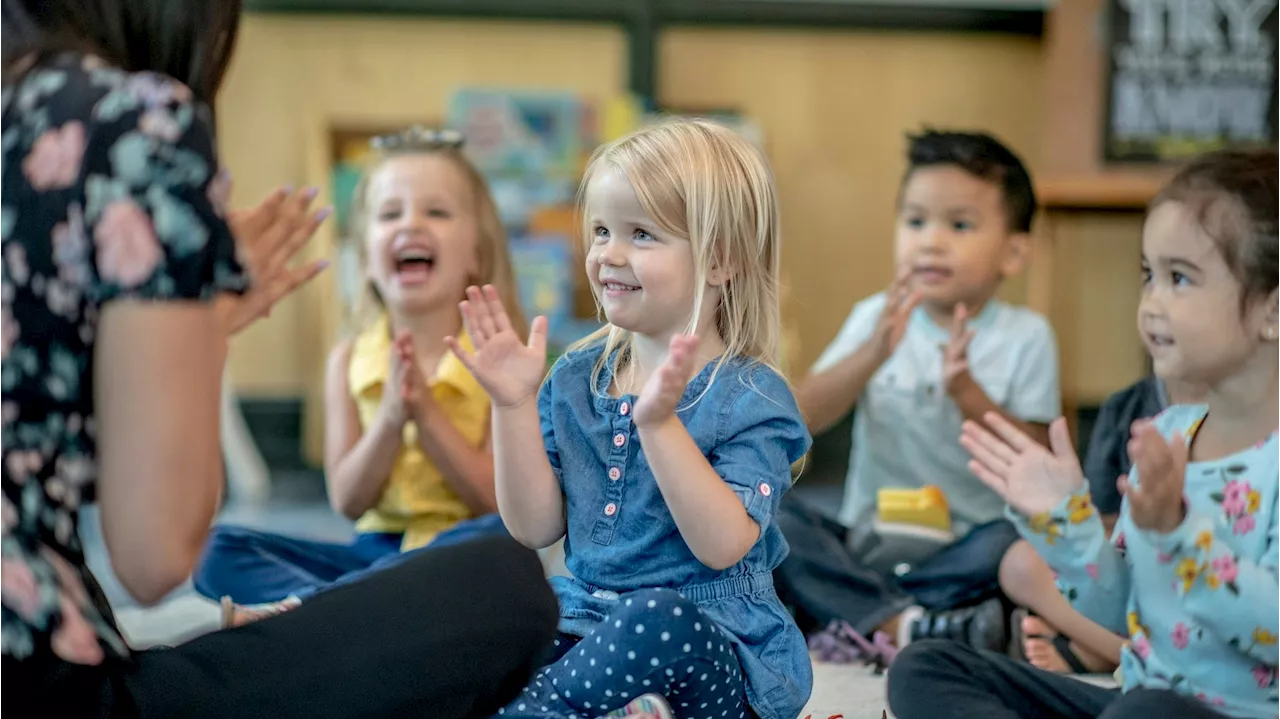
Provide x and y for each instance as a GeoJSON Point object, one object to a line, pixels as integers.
{"type": "Point", "coordinates": [935, 349]}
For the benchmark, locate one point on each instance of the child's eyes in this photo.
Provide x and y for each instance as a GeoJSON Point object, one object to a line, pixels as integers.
{"type": "Point", "coordinates": [599, 233]}
{"type": "Point", "coordinates": [1146, 275]}
{"type": "Point", "coordinates": [438, 213]}
{"type": "Point", "coordinates": [387, 215]}
{"type": "Point", "coordinates": [962, 226]}
{"type": "Point", "coordinates": [643, 236]}
{"type": "Point", "coordinates": [1180, 280]}
{"type": "Point", "coordinates": [915, 223]}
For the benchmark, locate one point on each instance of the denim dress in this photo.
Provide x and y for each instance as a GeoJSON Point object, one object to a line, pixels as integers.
{"type": "Point", "coordinates": [621, 536]}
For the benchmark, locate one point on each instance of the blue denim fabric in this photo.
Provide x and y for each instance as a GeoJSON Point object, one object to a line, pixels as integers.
{"type": "Point", "coordinates": [622, 538]}
{"type": "Point", "coordinates": [253, 567]}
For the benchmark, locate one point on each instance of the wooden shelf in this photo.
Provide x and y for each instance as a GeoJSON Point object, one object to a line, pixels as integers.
{"type": "Point", "coordinates": [1109, 192]}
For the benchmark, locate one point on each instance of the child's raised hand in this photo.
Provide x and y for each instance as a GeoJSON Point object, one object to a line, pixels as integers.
{"type": "Point", "coordinates": [955, 354]}
{"type": "Point", "coordinates": [509, 369]}
{"type": "Point", "coordinates": [1157, 505]}
{"type": "Point", "coordinates": [1030, 478]}
{"type": "Point", "coordinates": [899, 301]}
{"type": "Point", "coordinates": [662, 393]}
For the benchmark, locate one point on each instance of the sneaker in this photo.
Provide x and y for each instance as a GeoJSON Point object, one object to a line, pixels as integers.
{"type": "Point", "coordinates": [981, 626]}
{"type": "Point", "coordinates": [646, 706]}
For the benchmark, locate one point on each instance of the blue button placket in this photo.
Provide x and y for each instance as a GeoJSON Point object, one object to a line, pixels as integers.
{"type": "Point", "coordinates": [620, 439]}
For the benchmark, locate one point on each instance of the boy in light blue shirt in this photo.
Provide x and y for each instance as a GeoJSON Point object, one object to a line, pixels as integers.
{"type": "Point", "coordinates": [935, 349]}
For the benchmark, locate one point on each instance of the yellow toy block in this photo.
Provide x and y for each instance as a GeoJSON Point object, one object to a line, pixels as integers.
{"type": "Point", "coordinates": [925, 507]}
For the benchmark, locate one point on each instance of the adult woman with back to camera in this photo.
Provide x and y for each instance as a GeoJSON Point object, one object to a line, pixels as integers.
{"type": "Point", "coordinates": [121, 286]}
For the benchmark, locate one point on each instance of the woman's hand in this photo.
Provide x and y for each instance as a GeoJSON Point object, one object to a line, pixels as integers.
{"type": "Point", "coordinates": [267, 238]}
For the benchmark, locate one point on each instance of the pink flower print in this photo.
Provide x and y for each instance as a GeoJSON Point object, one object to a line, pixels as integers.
{"type": "Point", "coordinates": [74, 640]}
{"type": "Point", "coordinates": [54, 160]}
{"type": "Point", "coordinates": [8, 515]}
{"type": "Point", "coordinates": [1244, 524]}
{"type": "Point", "coordinates": [15, 257]}
{"type": "Point", "coordinates": [1141, 646]}
{"type": "Point", "coordinates": [1120, 541]}
{"type": "Point", "coordinates": [128, 250]}
{"type": "Point", "coordinates": [23, 464]}
{"type": "Point", "coordinates": [1092, 571]}
{"type": "Point", "coordinates": [1235, 498]}
{"type": "Point", "coordinates": [219, 192]}
{"type": "Point", "coordinates": [18, 588]}
{"type": "Point", "coordinates": [159, 123]}
{"type": "Point", "coordinates": [1181, 636]}
{"type": "Point", "coordinates": [9, 330]}
{"type": "Point", "coordinates": [1164, 557]}
{"type": "Point", "coordinates": [1262, 674]}
{"type": "Point", "coordinates": [1226, 568]}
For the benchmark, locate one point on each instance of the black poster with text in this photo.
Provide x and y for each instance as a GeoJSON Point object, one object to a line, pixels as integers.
{"type": "Point", "coordinates": [1189, 76]}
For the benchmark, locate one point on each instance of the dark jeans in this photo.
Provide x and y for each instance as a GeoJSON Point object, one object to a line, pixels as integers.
{"type": "Point", "coordinates": [402, 643]}
{"type": "Point", "coordinates": [253, 567]}
{"type": "Point", "coordinates": [822, 580]}
{"type": "Point", "coordinates": [935, 679]}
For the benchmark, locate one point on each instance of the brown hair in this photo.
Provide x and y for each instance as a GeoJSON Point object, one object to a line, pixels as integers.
{"type": "Point", "coordinates": [1232, 195]}
{"type": "Point", "coordinates": [493, 259]}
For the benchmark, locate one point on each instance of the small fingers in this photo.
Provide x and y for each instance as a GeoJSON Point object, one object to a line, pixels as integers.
{"type": "Point", "coordinates": [985, 456]}
{"type": "Point", "coordinates": [482, 313]}
{"type": "Point", "coordinates": [538, 334]}
{"type": "Point", "coordinates": [997, 483]}
{"type": "Point", "coordinates": [499, 312]}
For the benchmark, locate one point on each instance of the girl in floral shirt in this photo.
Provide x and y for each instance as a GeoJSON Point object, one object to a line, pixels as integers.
{"type": "Point", "coordinates": [1190, 573]}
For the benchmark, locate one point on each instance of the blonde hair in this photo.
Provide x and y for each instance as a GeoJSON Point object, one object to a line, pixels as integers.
{"type": "Point", "coordinates": [493, 258]}
{"type": "Point", "coordinates": [701, 182]}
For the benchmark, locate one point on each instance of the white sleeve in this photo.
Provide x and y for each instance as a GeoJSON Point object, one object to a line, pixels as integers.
{"type": "Point", "coordinates": [1036, 395]}
{"type": "Point", "coordinates": [856, 330]}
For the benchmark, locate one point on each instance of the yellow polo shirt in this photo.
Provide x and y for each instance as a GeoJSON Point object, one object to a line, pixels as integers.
{"type": "Point", "coordinates": [416, 500]}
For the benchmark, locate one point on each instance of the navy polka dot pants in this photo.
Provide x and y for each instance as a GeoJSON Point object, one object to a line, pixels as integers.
{"type": "Point", "coordinates": [655, 642]}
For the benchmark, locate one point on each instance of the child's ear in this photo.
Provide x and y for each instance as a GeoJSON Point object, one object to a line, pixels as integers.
{"type": "Point", "coordinates": [1017, 251]}
{"type": "Point", "coordinates": [722, 270]}
{"type": "Point", "coordinates": [1271, 323]}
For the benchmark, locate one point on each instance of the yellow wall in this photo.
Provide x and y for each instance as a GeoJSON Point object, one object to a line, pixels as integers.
{"type": "Point", "coordinates": [291, 73]}
{"type": "Point", "coordinates": [834, 107]}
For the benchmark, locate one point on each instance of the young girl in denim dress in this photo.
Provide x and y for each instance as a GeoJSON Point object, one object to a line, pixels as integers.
{"type": "Point", "coordinates": [660, 446]}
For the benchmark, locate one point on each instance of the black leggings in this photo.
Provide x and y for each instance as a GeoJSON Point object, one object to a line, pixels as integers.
{"type": "Point", "coordinates": [948, 680]}
{"type": "Point", "coordinates": [453, 633]}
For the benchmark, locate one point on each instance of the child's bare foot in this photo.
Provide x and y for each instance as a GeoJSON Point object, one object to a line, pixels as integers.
{"type": "Point", "coordinates": [1048, 650]}
{"type": "Point", "coordinates": [235, 615]}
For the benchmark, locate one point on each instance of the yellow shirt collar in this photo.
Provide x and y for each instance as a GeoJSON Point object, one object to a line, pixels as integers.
{"type": "Point", "coordinates": [371, 358]}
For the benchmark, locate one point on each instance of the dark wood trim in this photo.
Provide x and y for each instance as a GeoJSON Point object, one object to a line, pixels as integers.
{"type": "Point", "coordinates": [611, 11]}
{"type": "Point", "coordinates": [849, 15]}
{"type": "Point", "coordinates": [643, 20]}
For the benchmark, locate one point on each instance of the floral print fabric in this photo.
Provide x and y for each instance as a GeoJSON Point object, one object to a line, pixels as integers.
{"type": "Point", "coordinates": [1201, 604]}
{"type": "Point", "coordinates": [110, 190]}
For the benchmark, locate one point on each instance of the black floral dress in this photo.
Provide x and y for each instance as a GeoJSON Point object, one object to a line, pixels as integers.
{"type": "Point", "coordinates": [111, 190]}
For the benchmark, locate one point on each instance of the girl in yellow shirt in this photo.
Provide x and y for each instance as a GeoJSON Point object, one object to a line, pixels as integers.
{"type": "Point", "coordinates": [407, 447]}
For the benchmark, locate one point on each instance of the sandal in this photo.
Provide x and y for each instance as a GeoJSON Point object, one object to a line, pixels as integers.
{"type": "Point", "coordinates": [1061, 644]}
{"type": "Point", "coordinates": [234, 615]}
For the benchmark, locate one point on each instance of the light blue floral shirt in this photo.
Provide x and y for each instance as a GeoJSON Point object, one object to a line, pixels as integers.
{"type": "Point", "coordinates": [1200, 604]}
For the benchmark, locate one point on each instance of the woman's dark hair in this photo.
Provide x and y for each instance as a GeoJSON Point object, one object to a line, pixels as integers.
{"type": "Point", "coordinates": [1232, 194]}
{"type": "Point", "coordinates": [188, 40]}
